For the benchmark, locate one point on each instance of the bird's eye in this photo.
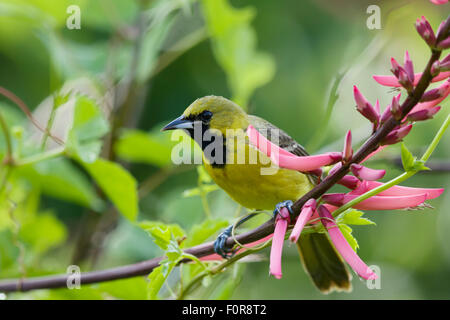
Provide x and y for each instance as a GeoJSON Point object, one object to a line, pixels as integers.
{"type": "Point", "coordinates": [206, 115]}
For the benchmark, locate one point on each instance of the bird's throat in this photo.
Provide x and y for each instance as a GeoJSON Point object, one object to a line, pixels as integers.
{"type": "Point", "coordinates": [213, 145]}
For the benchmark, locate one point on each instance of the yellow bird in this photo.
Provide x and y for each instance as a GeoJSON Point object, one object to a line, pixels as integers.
{"type": "Point", "coordinates": [218, 125]}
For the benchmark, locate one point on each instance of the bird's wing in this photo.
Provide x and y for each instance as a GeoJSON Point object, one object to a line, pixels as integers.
{"type": "Point", "coordinates": [285, 141]}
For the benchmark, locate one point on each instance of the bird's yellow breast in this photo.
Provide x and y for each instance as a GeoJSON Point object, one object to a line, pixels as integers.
{"type": "Point", "coordinates": [256, 183]}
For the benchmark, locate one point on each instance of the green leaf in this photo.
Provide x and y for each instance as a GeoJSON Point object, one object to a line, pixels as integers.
{"type": "Point", "coordinates": [117, 183]}
{"type": "Point", "coordinates": [162, 18]}
{"type": "Point", "coordinates": [157, 278]}
{"type": "Point", "coordinates": [234, 46]}
{"type": "Point", "coordinates": [407, 158]}
{"type": "Point", "coordinates": [347, 232]}
{"type": "Point", "coordinates": [89, 125]}
{"type": "Point", "coordinates": [410, 163]}
{"type": "Point", "coordinates": [202, 232]}
{"type": "Point", "coordinates": [139, 146]}
{"type": "Point", "coordinates": [419, 165]}
{"type": "Point", "coordinates": [60, 179]}
{"type": "Point", "coordinates": [352, 216]}
{"type": "Point", "coordinates": [162, 233]}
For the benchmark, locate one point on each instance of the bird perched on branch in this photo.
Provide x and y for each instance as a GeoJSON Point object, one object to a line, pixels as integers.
{"type": "Point", "coordinates": [219, 127]}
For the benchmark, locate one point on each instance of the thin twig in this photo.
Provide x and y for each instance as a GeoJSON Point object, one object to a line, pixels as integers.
{"type": "Point", "coordinates": [22, 106]}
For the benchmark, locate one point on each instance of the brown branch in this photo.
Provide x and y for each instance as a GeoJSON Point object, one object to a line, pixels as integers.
{"type": "Point", "coordinates": [22, 106]}
{"type": "Point", "coordinates": [143, 268]}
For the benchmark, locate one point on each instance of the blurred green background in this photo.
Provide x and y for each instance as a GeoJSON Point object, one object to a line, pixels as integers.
{"type": "Point", "coordinates": [144, 62]}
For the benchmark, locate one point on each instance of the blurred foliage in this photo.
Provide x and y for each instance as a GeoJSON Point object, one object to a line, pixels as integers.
{"type": "Point", "coordinates": [104, 92]}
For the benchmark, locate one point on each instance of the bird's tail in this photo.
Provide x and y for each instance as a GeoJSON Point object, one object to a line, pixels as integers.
{"type": "Point", "coordinates": [321, 261]}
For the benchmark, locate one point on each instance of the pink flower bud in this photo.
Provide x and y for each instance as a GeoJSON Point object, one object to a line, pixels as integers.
{"type": "Point", "coordinates": [335, 199]}
{"type": "Point", "coordinates": [435, 68]}
{"type": "Point", "coordinates": [350, 182]}
{"type": "Point", "coordinates": [364, 107]}
{"type": "Point", "coordinates": [425, 31]}
{"type": "Point", "coordinates": [365, 173]}
{"type": "Point", "coordinates": [423, 114]}
{"type": "Point", "coordinates": [395, 108]}
{"type": "Point", "coordinates": [307, 211]}
{"type": "Point", "coordinates": [395, 67]}
{"type": "Point", "coordinates": [342, 246]}
{"type": "Point", "coordinates": [396, 135]}
{"type": "Point", "coordinates": [348, 150]}
{"type": "Point", "coordinates": [444, 44]}
{"type": "Point", "coordinates": [436, 93]}
{"type": "Point", "coordinates": [409, 68]}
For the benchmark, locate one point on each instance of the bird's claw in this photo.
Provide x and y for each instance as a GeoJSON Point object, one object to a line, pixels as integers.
{"type": "Point", "coordinates": [284, 204]}
{"type": "Point", "coordinates": [220, 244]}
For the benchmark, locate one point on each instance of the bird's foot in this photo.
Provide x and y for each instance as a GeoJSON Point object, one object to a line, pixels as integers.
{"type": "Point", "coordinates": [220, 244]}
{"type": "Point", "coordinates": [284, 204]}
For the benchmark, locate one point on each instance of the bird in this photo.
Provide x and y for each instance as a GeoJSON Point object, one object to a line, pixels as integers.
{"type": "Point", "coordinates": [216, 123]}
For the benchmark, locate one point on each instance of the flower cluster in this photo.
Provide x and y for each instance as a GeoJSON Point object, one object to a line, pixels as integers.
{"type": "Point", "coordinates": [363, 179]}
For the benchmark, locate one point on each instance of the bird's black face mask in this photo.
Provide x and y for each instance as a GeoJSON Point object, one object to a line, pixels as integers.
{"type": "Point", "coordinates": [197, 126]}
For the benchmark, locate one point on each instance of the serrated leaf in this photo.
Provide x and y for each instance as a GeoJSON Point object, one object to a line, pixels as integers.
{"type": "Point", "coordinates": [162, 233]}
{"type": "Point", "coordinates": [347, 232]}
{"type": "Point", "coordinates": [117, 183]}
{"type": "Point", "coordinates": [352, 216]}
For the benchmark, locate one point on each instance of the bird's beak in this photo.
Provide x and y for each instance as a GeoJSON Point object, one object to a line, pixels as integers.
{"type": "Point", "coordinates": [179, 123]}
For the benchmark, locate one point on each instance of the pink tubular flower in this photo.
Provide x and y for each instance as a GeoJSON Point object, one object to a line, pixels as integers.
{"type": "Point", "coordinates": [308, 209]}
{"type": "Point", "coordinates": [439, 1]}
{"type": "Point", "coordinates": [376, 202]}
{"type": "Point", "coordinates": [285, 159]}
{"type": "Point", "coordinates": [409, 68]}
{"type": "Point", "coordinates": [307, 163]}
{"type": "Point", "coordinates": [365, 173]}
{"type": "Point", "coordinates": [342, 246]}
{"type": "Point", "coordinates": [365, 186]}
{"type": "Point", "coordinates": [391, 81]}
{"type": "Point", "coordinates": [364, 107]}
{"type": "Point", "coordinates": [264, 145]}
{"type": "Point", "coordinates": [281, 224]}
{"type": "Point", "coordinates": [348, 150]}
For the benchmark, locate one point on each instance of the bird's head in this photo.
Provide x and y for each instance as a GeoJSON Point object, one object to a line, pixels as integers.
{"type": "Point", "coordinates": [211, 112]}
